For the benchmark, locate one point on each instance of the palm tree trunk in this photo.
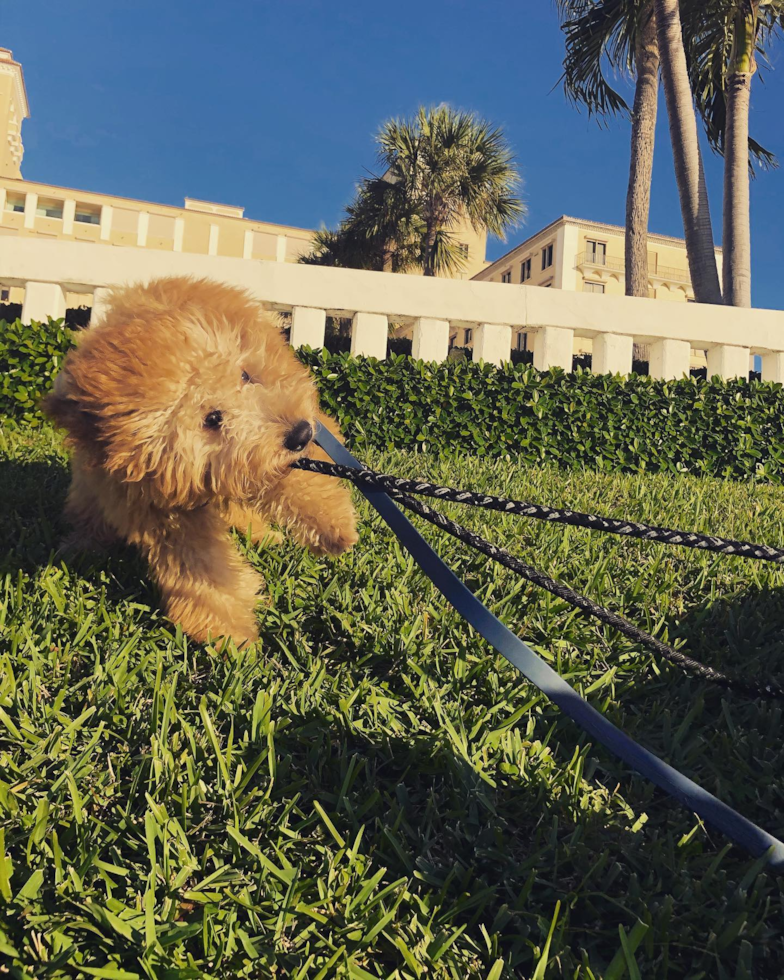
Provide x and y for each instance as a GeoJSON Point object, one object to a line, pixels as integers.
{"type": "Point", "coordinates": [736, 232]}
{"type": "Point", "coordinates": [689, 173]}
{"type": "Point", "coordinates": [428, 265]}
{"type": "Point", "coordinates": [638, 196]}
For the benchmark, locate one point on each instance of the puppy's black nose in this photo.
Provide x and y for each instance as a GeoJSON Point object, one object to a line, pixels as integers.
{"type": "Point", "coordinates": [298, 437]}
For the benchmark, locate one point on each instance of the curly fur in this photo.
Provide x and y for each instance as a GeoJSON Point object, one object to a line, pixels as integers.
{"type": "Point", "coordinates": [134, 397]}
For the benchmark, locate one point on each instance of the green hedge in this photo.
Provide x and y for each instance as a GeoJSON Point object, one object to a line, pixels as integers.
{"type": "Point", "coordinates": [725, 428]}
{"type": "Point", "coordinates": [30, 357]}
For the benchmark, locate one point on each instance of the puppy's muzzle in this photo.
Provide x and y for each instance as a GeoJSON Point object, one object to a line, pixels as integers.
{"type": "Point", "coordinates": [298, 437]}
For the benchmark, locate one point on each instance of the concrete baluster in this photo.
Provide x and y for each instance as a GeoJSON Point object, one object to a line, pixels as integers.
{"type": "Point", "coordinates": [369, 334]}
{"type": "Point", "coordinates": [307, 327]}
{"type": "Point", "coordinates": [553, 347]}
{"type": "Point", "coordinates": [42, 300]}
{"type": "Point", "coordinates": [492, 343]}
{"type": "Point", "coordinates": [430, 341]}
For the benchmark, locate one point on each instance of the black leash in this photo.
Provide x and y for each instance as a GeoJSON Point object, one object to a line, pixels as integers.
{"type": "Point", "coordinates": [694, 798]}
{"type": "Point", "coordinates": [630, 529]}
{"type": "Point", "coordinates": [393, 486]}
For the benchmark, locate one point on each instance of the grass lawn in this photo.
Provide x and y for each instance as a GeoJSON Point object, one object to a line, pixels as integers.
{"type": "Point", "coordinates": [371, 791]}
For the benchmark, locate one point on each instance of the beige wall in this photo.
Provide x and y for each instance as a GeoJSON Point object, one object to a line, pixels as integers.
{"type": "Point", "coordinates": [668, 266]}
{"type": "Point", "coordinates": [511, 263]}
{"type": "Point", "coordinates": [8, 166]}
{"type": "Point", "coordinates": [129, 223]}
{"type": "Point", "coordinates": [477, 246]}
{"type": "Point", "coordinates": [574, 264]}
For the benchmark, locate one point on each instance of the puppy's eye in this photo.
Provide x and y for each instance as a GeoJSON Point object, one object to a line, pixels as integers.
{"type": "Point", "coordinates": [213, 420]}
{"type": "Point", "coordinates": [245, 377]}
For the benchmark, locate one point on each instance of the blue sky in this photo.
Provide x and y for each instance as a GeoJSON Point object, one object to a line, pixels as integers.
{"type": "Point", "coordinates": [273, 105]}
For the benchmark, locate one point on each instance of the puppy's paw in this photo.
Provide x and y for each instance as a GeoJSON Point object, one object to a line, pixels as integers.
{"type": "Point", "coordinates": [334, 541]}
{"type": "Point", "coordinates": [216, 619]}
{"type": "Point", "coordinates": [241, 637]}
{"type": "Point", "coordinates": [80, 542]}
{"type": "Point", "coordinates": [241, 634]}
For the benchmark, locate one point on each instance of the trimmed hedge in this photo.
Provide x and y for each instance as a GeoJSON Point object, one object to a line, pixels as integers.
{"type": "Point", "coordinates": [731, 429]}
{"type": "Point", "coordinates": [30, 357]}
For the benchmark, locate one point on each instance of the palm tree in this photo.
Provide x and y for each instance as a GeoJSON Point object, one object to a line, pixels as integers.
{"type": "Point", "coordinates": [447, 165]}
{"type": "Point", "coordinates": [388, 222]}
{"type": "Point", "coordinates": [377, 233]}
{"type": "Point", "coordinates": [638, 195]}
{"type": "Point", "coordinates": [622, 33]}
{"type": "Point", "coordinates": [689, 173]}
{"type": "Point", "coordinates": [726, 36]}
{"type": "Point", "coordinates": [342, 249]}
{"type": "Point", "coordinates": [440, 167]}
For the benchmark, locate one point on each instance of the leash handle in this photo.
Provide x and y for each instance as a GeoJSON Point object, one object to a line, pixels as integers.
{"type": "Point", "coordinates": [734, 825]}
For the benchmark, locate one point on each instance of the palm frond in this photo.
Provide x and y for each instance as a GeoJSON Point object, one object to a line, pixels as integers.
{"type": "Point", "coordinates": [600, 37]}
{"type": "Point", "coordinates": [709, 33]}
{"type": "Point", "coordinates": [448, 257]}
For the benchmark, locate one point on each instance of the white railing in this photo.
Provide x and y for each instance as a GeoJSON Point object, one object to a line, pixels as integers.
{"type": "Point", "coordinates": [552, 318]}
{"type": "Point", "coordinates": [599, 260]}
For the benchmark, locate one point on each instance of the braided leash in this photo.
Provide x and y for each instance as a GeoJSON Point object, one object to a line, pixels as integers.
{"type": "Point", "coordinates": [630, 529]}
{"type": "Point", "coordinates": [685, 791]}
{"type": "Point", "coordinates": [393, 487]}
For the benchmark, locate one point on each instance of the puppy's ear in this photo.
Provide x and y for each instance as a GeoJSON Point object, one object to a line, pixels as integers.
{"type": "Point", "coordinates": [63, 407]}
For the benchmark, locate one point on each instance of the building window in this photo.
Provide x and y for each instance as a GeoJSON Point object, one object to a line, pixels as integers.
{"type": "Point", "coordinates": [87, 215]}
{"type": "Point", "coordinates": [521, 341]}
{"type": "Point", "coordinates": [596, 252]}
{"type": "Point", "coordinates": [547, 256]}
{"type": "Point", "coordinates": [49, 209]}
{"type": "Point", "coordinates": [506, 276]}
{"type": "Point", "coordinates": [463, 250]}
{"type": "Point", "coordinates": [525, 271]}
{"type": "Point", "coordinates": [15, 203]}
{"type": "Point", "coordinates": [593, 287]}
{"type": "Point", "coordinates": [4, 295]}
{"type": "Point", "coordinates": [468, 336]}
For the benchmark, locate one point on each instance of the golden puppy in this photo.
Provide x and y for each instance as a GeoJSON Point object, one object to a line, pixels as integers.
{"type": "Point", "coordinates": [185, 408]}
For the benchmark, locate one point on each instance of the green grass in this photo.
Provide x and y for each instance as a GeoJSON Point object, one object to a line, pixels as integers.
{"type": "Point", "coordinates": [370, 791]}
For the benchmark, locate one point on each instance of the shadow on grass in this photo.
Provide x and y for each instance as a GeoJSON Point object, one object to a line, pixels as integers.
{"type": "Point", "coordinates": [474, 853]}
{"type": "Point", "coordinates": [741, 635]}
{"type": "Point", "coordinates": [32, 495]}
{"type": "Point", "coordinates": [514, 848]}
{"type": "Point", "coordinates": [32, 529]}
{"type": "Point", "coordinates": [727, 742]}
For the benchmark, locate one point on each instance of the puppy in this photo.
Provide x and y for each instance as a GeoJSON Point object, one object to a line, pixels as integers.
{"type": "Point", "coordinates": [185, 408]}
